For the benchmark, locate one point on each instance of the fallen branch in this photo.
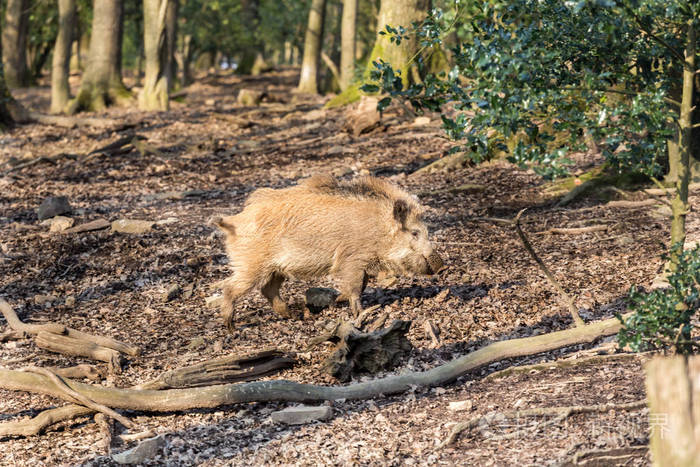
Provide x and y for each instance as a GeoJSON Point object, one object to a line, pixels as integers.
{"type": "Point", "coordinates": [568, 363]}
{"type": "Point", "coordinates": [14, 322]}
{"type": "Point", "coordinates": [671, 190]}
{"type": "Point", "coordinates": [106, 430]}
{"type": "Point", "coordinates": [72, 122]}
{"type": "Point", "coordinates": [574, 230]}
{"type": "Point", "coordinates": [38, 424]}
{"type": "Point", "coordinates": [630, 204]}
{"type": "Point", "coordinates": [560, 414]}
{"type": "Point", "coordinates": [65, 392]}
{"type": "Point", "coordinates": [37, 160]}
{"type": "Point", "coordinates": [214, 396]}
{"type": "Point", "coordinates": [85, 371]}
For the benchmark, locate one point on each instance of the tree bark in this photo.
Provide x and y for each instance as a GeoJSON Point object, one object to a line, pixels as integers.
{"type": "Point", "coordinates": [171, 42]}
{"type": "Point", "coordinates": [679, 204]}
{"type": "Point", "coordinates": [397, 13]}
{"type": "Point", "coordinates": [60, 71]}
{"type": "Point", "coordinates": [102, 84]}
{"type": "Point", "coordinates": [347, 43]}
{"type": "Point", "coordinates": [308, 81]}
{"type": "Point", "coordinates": [673, 392]}
{"type": "Point", "coordinates": [14, 38]}
{"type": "Point", "coordinates": [155, 89]}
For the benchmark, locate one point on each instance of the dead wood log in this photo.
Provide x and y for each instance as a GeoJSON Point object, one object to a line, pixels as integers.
{"type": "Point", "coordinates": [222, 370]}
{"type": "Point", "coordinates": [358, 351]}
{"type": "Point", "coordinates": [362, 118]}
{"type": "Point", "coordinates": [12, 335]}
{"type": "Point", "coordinates": [560, 414]}
{"type": "Point", "coordinates": [673, 389]}
{"type": "Point", "coordinates": [670, 191]}
{"type": "Point", "coordinates": [58, 329]}
{"type": "Point", "coordinates": [80, 348]}
{"type": "Point", "coordinates": [444, 164]}
{"type": "Point", "coordinates": [259, 391]}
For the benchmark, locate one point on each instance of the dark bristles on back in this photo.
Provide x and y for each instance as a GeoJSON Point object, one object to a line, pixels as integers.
{"type": "Point", "coordinates": [360, 188]}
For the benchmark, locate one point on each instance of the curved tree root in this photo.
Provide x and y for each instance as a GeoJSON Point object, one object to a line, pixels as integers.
{"type": "Point", "coordinates": [560, 414]}
{"type": "Point", "coordinates": [260, 391]}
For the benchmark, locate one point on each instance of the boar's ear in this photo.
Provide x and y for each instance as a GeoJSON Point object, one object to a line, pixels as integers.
{"type": "Point", "coordinates": [401, 211]}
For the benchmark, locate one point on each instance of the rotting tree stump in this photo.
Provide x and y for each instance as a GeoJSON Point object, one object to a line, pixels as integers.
{"type": "Point", "coordinates": [371, 352]}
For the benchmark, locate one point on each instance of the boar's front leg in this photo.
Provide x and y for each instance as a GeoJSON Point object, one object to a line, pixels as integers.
{"type": "Point", "coordinates": [233, 288]}
{"type": "Point", "coordinates": [271, 291]}
{"type": "Point", "coordinates": [351, 282]}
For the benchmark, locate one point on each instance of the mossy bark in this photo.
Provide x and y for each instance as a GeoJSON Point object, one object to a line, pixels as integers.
{"type": "Point", "coordinates": [347, 43]}
{"type": "Point", "coordinates": [14, 38]}
{"type": "Point", "coordinates": [308, 80]}
{"type": "Point", "coordinates": [102, 84]}
{"type": "Point", "coordinates": [60, 89]}
{"type": "Point", "coordinates": [158, 52]}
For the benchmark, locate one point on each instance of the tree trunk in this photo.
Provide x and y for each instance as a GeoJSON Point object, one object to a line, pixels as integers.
{"type": "Point", "coordinates": [679, 205]}
{"type": "Point", "coordinates": [347, 47]}
{"type": "Point", "coordinates": [251, 19]}
{"type": "Point", "coordinates": [60, 89]}
{"type": "Point", "coordinates": [171, 42]}
{"type": "Point", "coordinates": [186, 76]}
{"type": "Point", "coordinates": [102, 84]}
{"type": "Point", "coordinates": [14, 38]}
{"type": "Point", "coordinates": [155, 89]}
{"type": "Point", "coordinates": [397, 13]}
{"type": "Point", "coordinates": [308, 81]}
{"type": "Point", "coordinates": [673, 392]}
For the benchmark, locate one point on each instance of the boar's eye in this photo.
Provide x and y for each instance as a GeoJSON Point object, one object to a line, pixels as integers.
{"type": "Point", "coordinates": [415, 233]}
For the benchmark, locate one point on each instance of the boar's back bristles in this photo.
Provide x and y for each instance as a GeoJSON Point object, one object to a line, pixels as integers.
{"type": "Point", "coordinates": [361, 188]}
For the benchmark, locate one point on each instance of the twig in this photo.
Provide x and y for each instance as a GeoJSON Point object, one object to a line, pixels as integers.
{"type": "Point", "coordinates": [560, 413]}
{"type": "Point", "coordinates": [72, 396]}
{"type": "Point", "coordinates": [129, 437]}
{"type": "Point", "coordinates": [567, 299]}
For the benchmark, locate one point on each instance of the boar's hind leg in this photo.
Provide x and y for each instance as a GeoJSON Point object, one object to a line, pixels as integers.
{"type": "Point", "coordinates": [271, 291]}
{"type": "Point", "coordinates": [351, 283]}
{"type": "Point", "coordinates": [233, 288]}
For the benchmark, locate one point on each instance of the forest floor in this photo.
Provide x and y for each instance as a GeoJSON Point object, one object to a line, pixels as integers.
{"type": "Point", "coordinates": [211, 154]}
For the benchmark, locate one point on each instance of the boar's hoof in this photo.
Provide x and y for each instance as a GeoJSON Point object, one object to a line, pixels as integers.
{"type": "Point", "coordinates": [435, 263]}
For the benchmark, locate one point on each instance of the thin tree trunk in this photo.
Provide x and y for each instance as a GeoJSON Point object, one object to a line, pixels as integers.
{"type": "Point", "coordinates": [60, 71]}
{"type": "Point", "coordinates": [155, 89]}
{"type": "Point", "coordinates": [102, 84]}
{"type": "Point", "coordinates": [186, 76]}
{"type": "Point", "coordinates": [171, 42]}
{"type": "Point", "coordinates": [347, 47]}
{"type": "Point", "coordinates": [308, 81]}
{"type": "Point", "coordinates": [14, 38]}
{"type": "Point", "coordinates": [679, 205]}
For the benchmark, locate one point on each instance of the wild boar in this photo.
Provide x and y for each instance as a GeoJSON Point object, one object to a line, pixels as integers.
{"type": "Point", "coordinates": [348, 230]}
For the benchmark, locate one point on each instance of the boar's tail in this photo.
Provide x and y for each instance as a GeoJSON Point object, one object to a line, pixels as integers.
{"type": "Point", "coordinates": [224, 224]}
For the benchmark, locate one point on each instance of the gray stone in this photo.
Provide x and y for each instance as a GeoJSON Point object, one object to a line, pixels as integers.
{"type": "Point", "coordinates": [53, 206]}
{"type": "Point", "coordinates": [172, 293]}
{"type": "Point", "coordinates": [131, 226]}
{"type": "Point", "coordinates": [145, 450]}
{"type": "Point", "coordinates": [301, 415]}
{"type": "Point", "coordinates": [318, 298]}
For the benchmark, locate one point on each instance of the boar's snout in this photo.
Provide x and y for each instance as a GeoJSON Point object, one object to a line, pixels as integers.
{"type": "Point", "coordinates": [435, 263]}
